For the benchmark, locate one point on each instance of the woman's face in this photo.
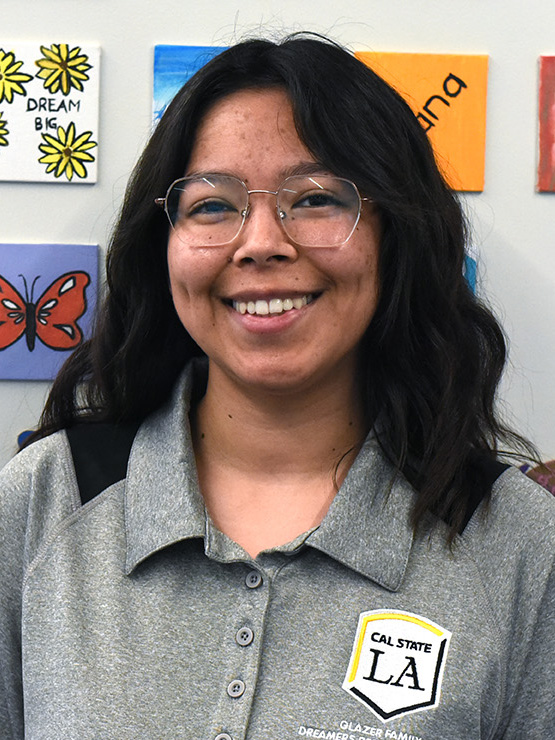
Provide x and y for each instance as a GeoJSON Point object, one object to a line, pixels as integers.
{"type": "Point", "coordinates": [333, 290]}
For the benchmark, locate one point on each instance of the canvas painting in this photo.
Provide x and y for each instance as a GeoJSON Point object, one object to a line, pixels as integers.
{"type": "Point", "coordinates": [448, 94]}
{"type": "Point", "coordinates": [49, 95]}
{"type": "Point", "coordinates": [173, 66]}
{"type": "Point", "coordinates": [470, 267]}
{"type": "Point", "coordinates": [546, 161]}
{"type": "Point", "coordinates": [47, 302]}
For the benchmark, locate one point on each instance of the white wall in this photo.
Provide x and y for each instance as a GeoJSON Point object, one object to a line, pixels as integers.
{"type": "Point", "coordinates": [513, 224]}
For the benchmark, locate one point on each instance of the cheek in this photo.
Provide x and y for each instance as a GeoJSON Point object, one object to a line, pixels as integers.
{"type": "Point", "coordinates": [193, 277]}
{"type": "Point", "coordinates": [172, 260]}
{"type": "Point", "coordinates": [185, 272]}
{"type": "Point", "coordinates": [365, 287]}
{"type": "Point", "coordinates": [182, 283]}
{"type": "Point", "coordinates": [360, 271]}
{"type": "Point", "coordinates": [369, 260]}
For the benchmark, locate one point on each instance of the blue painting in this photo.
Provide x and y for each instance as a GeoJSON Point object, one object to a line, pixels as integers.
{"type": "Point", "coordinates": [173, 66]}
{"type": "Point", "coordinates": [470, 271]}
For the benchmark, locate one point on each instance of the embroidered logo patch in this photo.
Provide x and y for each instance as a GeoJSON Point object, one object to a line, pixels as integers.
{"type": "Point", "coordinates": [397, 663]}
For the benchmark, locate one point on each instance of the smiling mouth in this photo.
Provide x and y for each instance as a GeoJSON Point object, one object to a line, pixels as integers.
{"type": "Point", "coordinates": [274, 306]}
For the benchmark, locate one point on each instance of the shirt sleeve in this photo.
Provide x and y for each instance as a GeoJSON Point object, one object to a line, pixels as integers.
{"type": "Point", "coordinates": [14, 485]}
{"type": "Point", "coordinates": [530, 711]}
{"type": "Point", "coordinates": [513, 545]}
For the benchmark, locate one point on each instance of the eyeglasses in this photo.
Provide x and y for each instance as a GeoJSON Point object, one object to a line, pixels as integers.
{"type": "Point", "coordinates": [209, 210]}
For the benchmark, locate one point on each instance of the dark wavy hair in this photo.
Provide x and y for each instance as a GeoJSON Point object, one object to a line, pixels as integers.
{"type": "Point", "coordinates": [432, 356]}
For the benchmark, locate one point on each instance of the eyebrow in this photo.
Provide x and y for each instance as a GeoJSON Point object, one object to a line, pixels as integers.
{"type": "Point", "coordinates": [301, 168]}
{"type": "Point", "coordinates": [306, 168]}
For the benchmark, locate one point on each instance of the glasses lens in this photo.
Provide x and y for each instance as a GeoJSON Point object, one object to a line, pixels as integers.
{"type": "Point", "coordinates": [320, 210]}
{"type": "Point", "coordinates": [207, 211]}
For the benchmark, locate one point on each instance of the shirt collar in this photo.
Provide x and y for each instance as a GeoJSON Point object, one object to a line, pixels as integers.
{"type": "Point", "coordinates": [367, 527]}
{"type": "Point", "coordinates": [162, 499]}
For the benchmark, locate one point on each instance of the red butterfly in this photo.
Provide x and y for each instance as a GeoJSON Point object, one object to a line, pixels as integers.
{"type": "Point", "coordinates": [53, 318]}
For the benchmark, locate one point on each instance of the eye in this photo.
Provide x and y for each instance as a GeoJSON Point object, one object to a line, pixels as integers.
{"type": "Point", "coordinates": [210, 210]}
{"type": "Point", "coordinates": [318, 199]}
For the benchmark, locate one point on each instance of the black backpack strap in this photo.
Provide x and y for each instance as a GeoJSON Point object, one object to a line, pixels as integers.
{"type": "Point", "coordinates": [483, 474]}
{"type": "Point", "coordinates": [100, 453]}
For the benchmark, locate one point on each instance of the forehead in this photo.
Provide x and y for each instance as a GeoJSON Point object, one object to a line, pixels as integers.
{"type": "Point", "coordinates": [249, 129]}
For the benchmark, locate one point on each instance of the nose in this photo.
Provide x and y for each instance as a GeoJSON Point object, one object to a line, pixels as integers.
{"type": "Point", "coordinates": [262, 239]}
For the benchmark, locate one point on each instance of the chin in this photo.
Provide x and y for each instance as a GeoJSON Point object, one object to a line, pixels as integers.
{"type": "Point", "coordinates": [277, 382]}
{"type": "Point", "coordinates": [283, 378]}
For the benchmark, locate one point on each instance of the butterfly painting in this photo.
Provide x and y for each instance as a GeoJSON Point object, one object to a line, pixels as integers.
{"type": "Point", "coordinates": [52, 318]}
{"type": "Point", "coordinates": [48, 297]}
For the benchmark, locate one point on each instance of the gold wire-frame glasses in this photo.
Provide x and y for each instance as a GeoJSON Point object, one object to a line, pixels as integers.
{"type": "Point", "coordinates": [210, 209]}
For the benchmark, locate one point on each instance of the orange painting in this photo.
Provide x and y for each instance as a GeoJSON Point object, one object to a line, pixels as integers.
{"type": "Point", "coordinates": [546, 163]}
{"type": "Point", "coordinates": [448, 94]}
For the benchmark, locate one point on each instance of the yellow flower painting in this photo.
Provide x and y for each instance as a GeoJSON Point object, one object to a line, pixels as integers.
{"type": "Point", "coordinates": [66, 154]}
{"type": "Point", "coordinates": [11, 78]}
{"type": "Point", "coordinates": [63, 68]}
{"type": "Point", "coordinates": [49, 117]}
{"type": "Point", "coordinates": [3, 131]}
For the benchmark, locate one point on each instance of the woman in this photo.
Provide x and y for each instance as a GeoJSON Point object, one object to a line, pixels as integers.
{"type": "Point", "coordinates": [311, 535]}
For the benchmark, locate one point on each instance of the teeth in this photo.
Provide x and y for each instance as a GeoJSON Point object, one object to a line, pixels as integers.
{"type": "Point", "coordinates": [274, 306]}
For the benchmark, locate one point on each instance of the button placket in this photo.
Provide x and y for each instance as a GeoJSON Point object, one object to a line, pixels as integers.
{"type": "Point", "coordinates": [243, 652]}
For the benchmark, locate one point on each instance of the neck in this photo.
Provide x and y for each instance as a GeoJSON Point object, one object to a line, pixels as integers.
{"type": "Point", "coordinates": [307, 433]}
{"type": "Point", "coordinates": [270, 465]}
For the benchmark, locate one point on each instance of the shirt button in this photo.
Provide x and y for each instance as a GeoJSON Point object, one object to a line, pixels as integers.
{"type": "Point", "coordinates": [236, 689]}
{"type": "Point", "coordinates": [223, 736]}
{"type": "Point", "coordinates": [244, 636]}
{"type": "Point", "coordinates": [253, 579]}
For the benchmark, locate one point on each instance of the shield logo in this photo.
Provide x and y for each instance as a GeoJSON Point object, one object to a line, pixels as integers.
{"type": "Point", "coordinates": [397, 663]}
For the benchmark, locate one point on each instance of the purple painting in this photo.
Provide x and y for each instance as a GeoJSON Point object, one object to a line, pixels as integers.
{"type": "Point", "coordinates": [47, 303]}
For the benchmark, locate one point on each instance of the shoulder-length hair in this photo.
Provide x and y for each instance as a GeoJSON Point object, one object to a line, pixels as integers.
{"type": "Point", "coordinates": [432, 356]}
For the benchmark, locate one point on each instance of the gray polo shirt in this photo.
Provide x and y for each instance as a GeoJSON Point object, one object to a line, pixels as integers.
{"type": "Point", "coordinates": [132, 618]}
